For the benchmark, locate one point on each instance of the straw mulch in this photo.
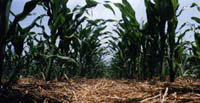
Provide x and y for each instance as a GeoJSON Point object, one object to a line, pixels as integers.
{"type": "Point", "coordinates": [80, 90]}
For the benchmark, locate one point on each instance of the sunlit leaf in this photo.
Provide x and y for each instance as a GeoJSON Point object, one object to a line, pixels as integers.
{"type": "Point", "coordinates": [128, 8]}
{"type": "Point", "coordinates": [120, 6]}
{"type": "Point", "coordinates": [68, 59]}
{"type": "Point", "coordinates": [175, 4]}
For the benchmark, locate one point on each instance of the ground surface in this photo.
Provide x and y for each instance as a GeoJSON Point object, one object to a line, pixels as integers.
{"type": "Point", "coordinates": [79, 90]}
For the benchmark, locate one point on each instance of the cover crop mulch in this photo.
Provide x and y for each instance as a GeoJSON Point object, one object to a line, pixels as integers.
{"type": "Point", "coordinates": [80, 90]}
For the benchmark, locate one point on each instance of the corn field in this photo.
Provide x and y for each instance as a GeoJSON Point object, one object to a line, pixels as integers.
{"type": "Point", "coordinates": [73, 46]}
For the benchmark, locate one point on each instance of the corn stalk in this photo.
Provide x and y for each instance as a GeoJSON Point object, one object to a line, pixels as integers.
{"type": "Point", "coordinates": [4, 18]}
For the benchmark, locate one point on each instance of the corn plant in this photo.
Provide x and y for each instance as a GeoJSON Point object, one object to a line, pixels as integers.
{"type": "Point", "coordinates": [128, 47]}
{"type": "Point", "coordinates": [91, 50]}
{"type": "Point", "coordinates": [74, 41]}
{"type": "Point", "coordinates": [63, 23]}
{"type": "Point", "coordinates": [148, 50]}
{"type": "Point", "coordinates": [4, 23]}
{"type": "Point", "coordinates": [194, 60]}
{"type": "Point", "coordinates": [12, 32]}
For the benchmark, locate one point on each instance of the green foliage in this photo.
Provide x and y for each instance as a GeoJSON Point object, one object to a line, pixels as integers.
{"type": "Point", "coordinates": [78, 52]}
{"type": "Point", "coordinates": [127, 46]}
{"type": "Point", "coordinates": [74, 45]}
{"type": "Point", "coordinates": [194, 60]}
{"type": "Point", "coordinates": [16, 35]}
{"type": "Point", "coordinates": [109, 7]}
{"type": "Point", "coordinates": [150, 51]}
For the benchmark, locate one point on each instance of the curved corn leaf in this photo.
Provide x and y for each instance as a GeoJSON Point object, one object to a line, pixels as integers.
{"type": "Point", "coordinates": [109, 7]}
{"type": "Point", "coordinates": [182, 35]}
{"type": "Point", "coordinates": [120, 6]}
{"type": "Point", "coordinates": [68, 59]}
{"type": "Point", "coordinates": [183, 25]}
{"type": "Point", "coordinates": [110, 20]}
{"type": "Point", "coordinates": [180, 12]}
{"type": "Point", "coordinates": [100, 29]}
{"type": "Point", "coordinates": [193, 5]}
{"type": "Point", "coordinates": [175, 4]}
{"type": "Point", "coordinates": [91, 3]}
{"type": "Point", "coordinates": [107, 1]}
{"type": "Point", "coordinates": [196, 19]}
{"type": "Point", "coordinates": [95, 22]}
{"type": "Point", "coordinates": [128, 8]}
{"type": "Point", "coordinates": [28, 28]}
{"type": "Point", "coordinates": [29, 6]}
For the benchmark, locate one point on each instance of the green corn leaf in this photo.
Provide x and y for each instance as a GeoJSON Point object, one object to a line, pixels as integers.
{"type": "Point", "coordinates": [107, 1]}
{"type": "Point", "coordinates": [100, 29]}
{"type": "Point", "coordinates": [79, 15]}
{"type": "Point", "coordinates": [180, 12]}
{"type": "Point", "coordinates": [175, 4]}
{"type": "Point", "coordinates": [106, 33]}
{"type": "Point", "coordinates": [196, 19]}
{"type": "Point", "coordinates": [118, 32]}
{"type": "Point", "coordinates": [182, 35]}
{"type": "Point", "coordinates": [113, 44]}
{"type": "Point", "coordinates": [106, 37]}
{"type": "Point", "coordinates": [109, 7]}
{"type": "Point", "coordinates": [91, 3]}
{"type": "Point", "coordinates": [167, 9]}
{"type": "Point", "coordinates": [76, 8]}
{"type": "Point", "coordinates": [180, 51]}
{"type": "Point", "coordinates": [68, 59]}
{"type": "Point", "coordinates": [35, 38]}
{"type": "Point", "coordinates": [95, 22]}
{"type": "Point", "coordinates": [29, 6]}
{"type": "Point", "coordinates": [183, 25]}
{"type": "Point", "coordinates": [69, 37]}
{"type": "Point", "coordinates": [128, 8]}
{"type": "Point", "coordinates": [126, 3]}
{"type": "Point", "coordinates": [185, 73]}
{"type": "Point", "coordinates": [110, 20]}
{"type": "Point", "coordinates": [193, 5]}
{"type": "Point", "coordinates": [53, 1]}
{"type": "Point", "coordinates": [28, 28]}
{"type": "Point", "coordinates": [120, 7]}
{"type": "Point", "coordinates": [74, 37]}
{"type": "Point", "coordinates": [99, 20]}
{"type": "Point", "coordinates": [197, 39]}
{"type": "Point", "coordinates": [148, 3]}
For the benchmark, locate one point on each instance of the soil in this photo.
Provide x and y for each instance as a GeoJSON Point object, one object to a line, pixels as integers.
{"type": "Point", "coordinates": [81, 90]}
